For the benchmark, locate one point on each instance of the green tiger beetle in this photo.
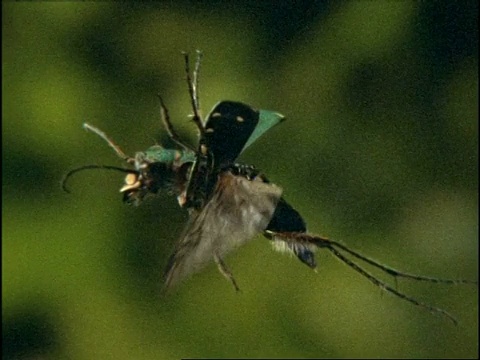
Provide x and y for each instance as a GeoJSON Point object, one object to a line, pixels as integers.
{"type": "Point", "coordinates": [229, 203]}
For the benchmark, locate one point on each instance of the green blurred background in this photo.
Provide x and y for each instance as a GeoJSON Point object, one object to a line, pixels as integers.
{"type": "Point", "coordinates": [379, 151]}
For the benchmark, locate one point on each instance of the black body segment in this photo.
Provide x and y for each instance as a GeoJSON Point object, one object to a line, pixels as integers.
{"type": "Point", "coordinates": [227, 129]}
{"type": "Point", "coordinates": [287, 219]}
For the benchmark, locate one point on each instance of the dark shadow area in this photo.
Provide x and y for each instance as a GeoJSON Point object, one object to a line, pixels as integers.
{"type": "Point", "coordinates": [28, 334]}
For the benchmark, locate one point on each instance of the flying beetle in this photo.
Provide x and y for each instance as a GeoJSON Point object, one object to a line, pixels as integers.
{"type": "Point", "coordinates": [228, 202]}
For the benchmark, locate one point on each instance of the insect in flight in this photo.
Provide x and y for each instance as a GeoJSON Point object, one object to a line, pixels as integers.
{"type": "Point", "coordinates": [228, 202]}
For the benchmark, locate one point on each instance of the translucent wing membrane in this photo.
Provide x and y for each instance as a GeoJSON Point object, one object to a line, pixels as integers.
{"type": "Point", "coordinates": [238, 210]}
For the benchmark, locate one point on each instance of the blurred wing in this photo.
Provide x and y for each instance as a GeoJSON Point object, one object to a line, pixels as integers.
{"type": "Point", "coordinates": [237, 211]}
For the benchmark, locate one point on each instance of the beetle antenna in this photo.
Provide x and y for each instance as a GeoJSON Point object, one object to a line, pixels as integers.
{"type": "Point", "coordinates": [89, 167]}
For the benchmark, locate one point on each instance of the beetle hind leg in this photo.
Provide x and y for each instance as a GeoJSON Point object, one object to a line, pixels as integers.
{"type": "Point", "coordinates": [222, 267]}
